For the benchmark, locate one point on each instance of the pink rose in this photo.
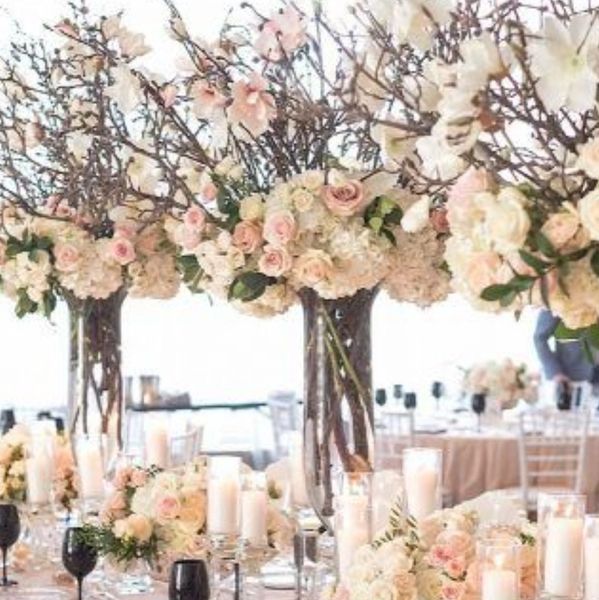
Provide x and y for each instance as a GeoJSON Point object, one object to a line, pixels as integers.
{"type": "Point", "coordinates": [280, 228]}
{"type": "Point", "coordinates": [168, 95]}
{"type": "Point", "coordinates": [281, 35]}
{"type": "Point", "coordinates": [168, 507]}
{"type": "Point", "coordinates": [122, 251]}
{"type": "Point", "coordinates": [455, 567]}
{"type": "Point", "coordinates": [195, 217]}
{"type": "Point", "coordinates": [440, 554]}
{"type": "Point", "coordinates": [247, 237]}
{"type": "Point", "coordinates": [125, 230]}
{"type": "Point", "coordinates": [122, 478]}
{"type": "Point", "coordinates": [346, 199]}
{"type": "Point", "coordinates": [312, 267]}
{"type": "Point", "coordinates": [275, 261]}
{"type": "Point", "coordinates": [67, 257]}
{"type": "Point", "coordinates": [458, 542]}
{"type": "Point", "coordinates": [470, 183]}
{"type": "Point", "coordinates": [139, 477]}
{"type": "Point", "coordinates": [207, 100]}
{"type": "Point", "coordinates": [208, 193]}
{"type": "Point", "coordinates": [253, 107]}
{"type": "Point", "coordinates": [187, 237]}
{"type": "Point", "coordinates": [452, 591]}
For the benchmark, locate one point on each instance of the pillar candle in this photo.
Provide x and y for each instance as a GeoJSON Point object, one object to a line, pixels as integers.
{"type": "Point", "coordinates": [157, 446]}
{"type": "Point", "coordinates": [353, 532]}
{"type": "Point", "coordinates": [91, 471]}
{"type": "Point", "coordinates": [223, 506]}
{"type": "Point", "coordinates": [253, 516]}
{"type": "Point", "coordinates": [591, 568]}
{"type": "Point", "coordinates": [422, 492]}
{"type": "Point", "coordinates": [563, 556]}
{"type": "Point", "coordinates": [499, 584]}
{"type": "Point", "coordinates": [38, 474]}
{"type": "Point", "coordinates": [299, 493]}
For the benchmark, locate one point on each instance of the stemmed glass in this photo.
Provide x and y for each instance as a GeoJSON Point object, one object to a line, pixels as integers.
{"type": "Point", "coordinates": [437, 391]}
{"type": "Point", "coordinates": [78, 557]}
{"type": "Point", "coordinates": [10, 528]}
{"type": "Point", "coordinates": [380, 397]}
{"type": "Point", "coordinates": [189, 580]}
{"type": "Point", "coordinates": [564, 395]}
{"type": "Point", "coordinates": [398, 392]}
{"type": "Point", "coordinates": [410, 401]}
{"type": "Point", "coordinates": [479, 403]}
{"type": "Point", "coordinates": [7, 420]}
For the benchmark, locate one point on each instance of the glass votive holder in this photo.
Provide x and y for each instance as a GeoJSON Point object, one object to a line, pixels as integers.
{"type": "Point", "coordinates": [90, 466]}
{"type": "Point", "coordinates": [299, 488]}
{"type": "Point", "coordinates": [224, 495]}
{"type": "Point", "coordinates": [499, 568]}
{"type": "Point", "coordinates": [353, 518]}
{"type": "Point", "coordinates": [423, 476]}
{"type": "Point", "coordinates": [591, 557]}
{"type": "Point", "coordinates": [254, 506]}
{"type": "Point", "coordinates": [560, 545]}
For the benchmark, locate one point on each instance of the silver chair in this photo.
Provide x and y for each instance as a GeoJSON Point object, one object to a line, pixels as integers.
{"type": "Point", "coordinates": [396, 434]}
{"type": "Point", "coordinates": [284, 417]}
{"type": "Point", "coordinates": [184, 448]}
{"type": "Point", "coordinates": [552, 451]}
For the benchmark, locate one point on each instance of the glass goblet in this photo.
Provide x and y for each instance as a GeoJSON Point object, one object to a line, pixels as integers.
{"type": "Point", "coordinates": [78, 557]}
{"type": "Point", "coordinates": [10, 528]}
{"type": "Point", "coordinates": [479, 404]}
{"type": "Point", "coordinates": [189, 580]}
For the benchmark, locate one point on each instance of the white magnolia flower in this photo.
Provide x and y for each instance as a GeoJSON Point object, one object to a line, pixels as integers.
{"type": "Point", "coordinates": [437, 160]}
{"type": "Point", "coordinates": [588, 158]}
{"type": "Point", "coordinates": [589, 213]}
{"type": "Point", "coordinates": [132, 44]}
{"type": "Point", "coordinates": [565, 61]}
{"type": "Point", "coordinates": [416, 217]}
{"type": "Point", "coordinates": [126, 90]}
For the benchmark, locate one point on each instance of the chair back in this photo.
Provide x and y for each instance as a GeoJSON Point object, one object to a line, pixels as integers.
{"type": "Point", "coordinates": [396, 434]}
{"type": "Point", "coordinates": [552, 450]}
{"type": "Point", "coordinates": [284, 417]}
{"type": "Point", "coordinates": [184, 448]}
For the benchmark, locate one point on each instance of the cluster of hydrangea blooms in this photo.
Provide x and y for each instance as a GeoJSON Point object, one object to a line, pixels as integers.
{"type": "Point", "coordinates": [13, 444]}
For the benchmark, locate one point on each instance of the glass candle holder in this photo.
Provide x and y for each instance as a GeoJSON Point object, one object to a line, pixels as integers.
{"type": "Point", "coordinates": [299, 490]}
{"type": "Point", "coordinates": [499, 568]}
{"type": "Point", "coordinates": [591, 557]}
{"type": "Point", "coordinates": [353, 518]}
{"type": "Point", "coordinates": [224, 495]}
{"type": "Point", "coordinates": [254, 502]}
{"type": "Point", "coordinates": [38, 474]}
{"type": "Point", "coordinates": [423, 475]}
{"type": "Point", "coordinates": [560, 545]}
{"type": "Point", "coordinates": [90, 465]}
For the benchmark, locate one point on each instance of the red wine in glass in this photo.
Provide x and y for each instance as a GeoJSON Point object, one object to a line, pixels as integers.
{"type": "Point", "coordinates": [479, 404]}
{"type": "Point", "coordinates": [189, 580]}
{"type": "Point", "coordinates": [10, 528]}
{"type": "Point", "coordinates": [78, 557]}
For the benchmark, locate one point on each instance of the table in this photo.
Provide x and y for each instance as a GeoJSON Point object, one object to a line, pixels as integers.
{"type": "Point", "coordinates": [474, 463]}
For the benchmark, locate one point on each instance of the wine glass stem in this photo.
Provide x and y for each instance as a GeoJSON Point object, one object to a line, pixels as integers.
{"type": "Point", "coordinates": [80, 588]}
{"type": "Point", "coordinates": [4, 574]}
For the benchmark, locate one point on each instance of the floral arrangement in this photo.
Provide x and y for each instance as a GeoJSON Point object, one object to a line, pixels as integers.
{"type": "Point", "coordinates": [432, 560]}
{"type": "Point", "coordinates": [12, 466]}
{"type": "Point", "coordinates": [65, 481]}
{"type": "Point", "coordinates": [506, 382]}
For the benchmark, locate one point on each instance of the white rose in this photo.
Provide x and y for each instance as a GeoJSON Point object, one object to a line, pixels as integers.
{"type": "Point", "coordinates": [589, 213]}
{"type": "Point", "coordinates": [251, 208]}
{"type": "Point", "coordinates": [560, 228]}
{"type": "Point", "coordinates": [302, 199]}
{"type": "Point", "coordinates": [588, 158]}
{"type": "Point", "coordinates": [506, 221]}
{"type": "Point", "coordinates": [416, 218]}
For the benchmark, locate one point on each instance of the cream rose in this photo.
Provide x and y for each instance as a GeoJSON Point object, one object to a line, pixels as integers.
{"type": "Point", "coordinates": [302, 199]}
{"type": "Point", "coordinates": [251, 208]}
{"type": "Point", "coordinates": [588, 158]}
{"type": "Point", "coordinates": [560, 228]}
{"type": "Point", "coordinates": [506, 221]}
{"type": "Point", "coordinates": [67, 257]}
{"type": "Point", "coordinates": [275, 261]}
{"type": "Point", "coordinates": [139, 527]}
{"type": "Point", "coordinates": [345, 199]}
{"type": "Point", "coordinates": [588, 208]}
{"type": "Point", "coordinates": [313, 267]}
{"type": "Point", "coordinates": [482, 271]}
{"type": "Point", "coordinates": [280, 228]}
{"type": "Point", "coordinates": [247, 237]}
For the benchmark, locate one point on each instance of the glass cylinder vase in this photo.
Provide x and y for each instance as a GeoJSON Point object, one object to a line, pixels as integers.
{"type": "Point", "coordinates": [338, 404]}
{"type": "Point", "coordinates": [95, 382]}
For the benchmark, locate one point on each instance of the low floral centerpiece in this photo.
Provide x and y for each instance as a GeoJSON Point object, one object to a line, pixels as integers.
{"type": "Point", "coordinates": [13, 486]}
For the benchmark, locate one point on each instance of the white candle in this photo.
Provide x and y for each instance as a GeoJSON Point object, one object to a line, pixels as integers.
{"type": "Point", "coordinates": [91, 471]}
{"type": "Point", "coordinates": [223, 505]}
{"type": "Point", "coordinates": [591, 568]}
{"type": "Point", "coordinates": [421, 483]}
{"type": "Point", "coordinates": [563, 556]}
{"type": "Point", "coordinates": [299, 493]}
{"type": "Point", "coordinates": [39, 479]}
{"type": "Point", "coordinates": [157, 446]}
{"type": "Point", "coordinates": [499, 584]}
{"type": "Point", "coordinates": [253, 516]}
{"type": "Point", "coordinates": [354, 531]}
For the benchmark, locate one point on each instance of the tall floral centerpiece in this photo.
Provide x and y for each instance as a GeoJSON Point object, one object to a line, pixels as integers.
{"type": "Point", "coordinates": [282, 197]}
{"type": "Point", "coordinates": [82, 213]}
{"type": "Point", "coordinates": [499, 107]}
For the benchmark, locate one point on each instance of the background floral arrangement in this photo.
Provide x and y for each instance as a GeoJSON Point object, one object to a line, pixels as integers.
{"type": "Point", "coordinates": [506, 382]}
{"type": "Point", "coordinates": [65, 478]}
{"type": "Point", "coordinates": [431, 560]}
{"type": "Point", "coordinates": [13, 487]}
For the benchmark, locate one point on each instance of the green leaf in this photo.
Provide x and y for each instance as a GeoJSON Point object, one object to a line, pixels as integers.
{"type": "Point", "coordinates": [564, 333]}
{"type": "Point", "coordinates": [506, 300]}
{"type": "Point", "coordinates": [544, 245]}
{"type": "Point", "coordinates": [249, 286]}
{"type": "Point", "coordinates": [533, 261]}
{"type": "Point", "coordinates": [25, 305]}
{"type": "Point", "coordinates": [49, 303]}
{"type": "Point", "coordinates": [496, 292]}
{"type": "Point", "coordinates": [595, 262]}
{"type": "Point", "coordinates": [376, 224]}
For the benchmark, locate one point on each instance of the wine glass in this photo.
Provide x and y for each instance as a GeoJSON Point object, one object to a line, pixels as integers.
{"type": "Point", "coordinates": [7, 420]}
{"type": "Point", "coordinates": [398, 392]}
{"type": "Point", "coordinates": [410, 401]}
{"type": "Point", "coordinates": [189, 580]}
{"type": "Point", "coordinates": [479, 403]}
{"type": "Point", "coordinates": [564, 395]}
{"type": "Point", "coordinates": [380, 397]}
{"type": "Point", "coordinates": [78, 557]}
{"type": "Point", "coordinates": [437, 391]}
{"type": "Point", "coordinates": [10, 528]}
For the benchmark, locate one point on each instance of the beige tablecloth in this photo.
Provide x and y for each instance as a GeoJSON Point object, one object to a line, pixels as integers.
{"type": "Point", "coordinates": [477, 463]}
